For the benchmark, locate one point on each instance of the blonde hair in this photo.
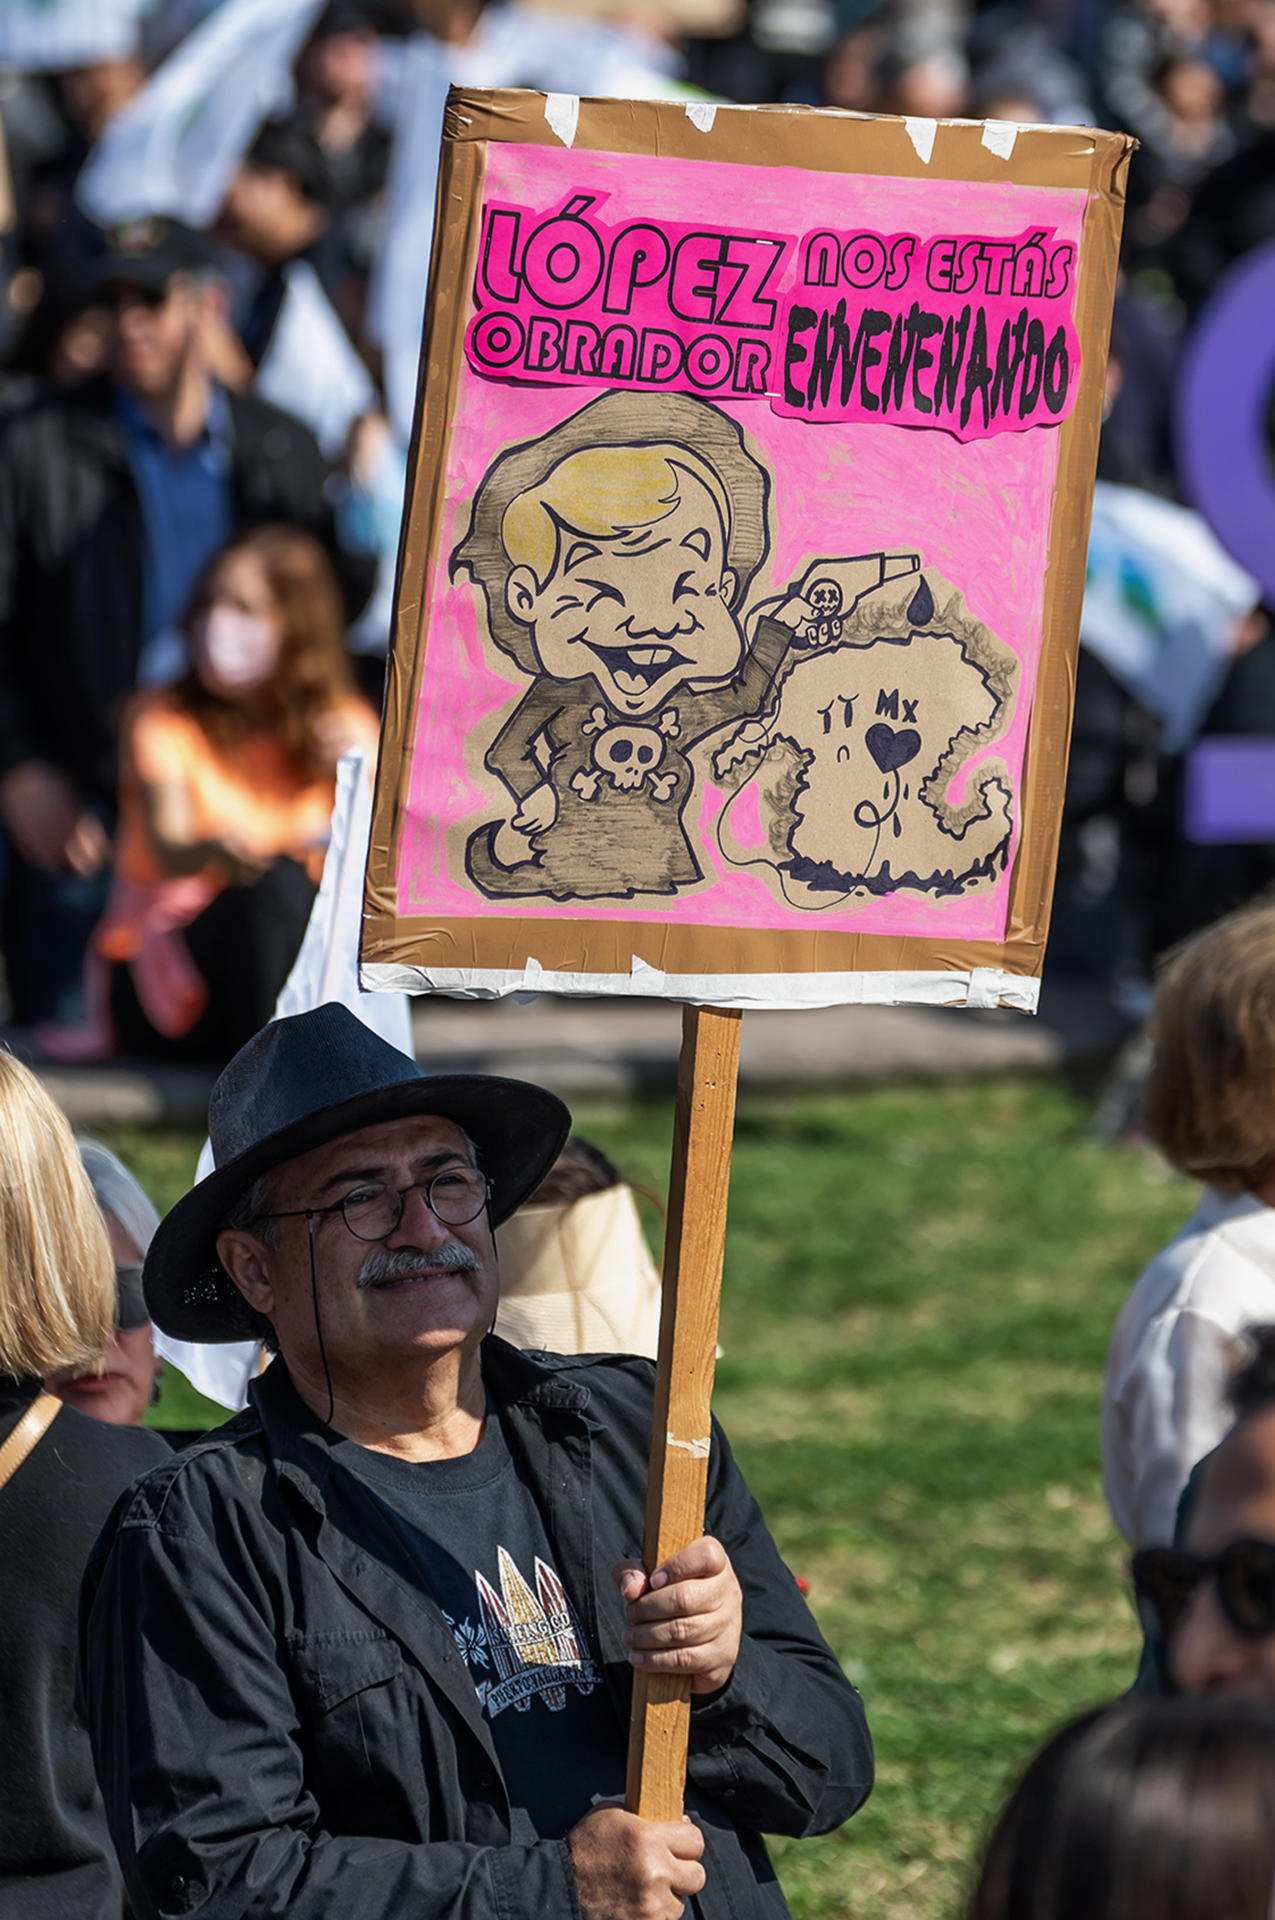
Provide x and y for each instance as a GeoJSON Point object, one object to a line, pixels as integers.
{"type": "Point", "coordinates": [606, 492]}
{"type": "Point", "coordinates": [57, 1276]}
{"type": "Point", "coordinates": [1210, 1099]}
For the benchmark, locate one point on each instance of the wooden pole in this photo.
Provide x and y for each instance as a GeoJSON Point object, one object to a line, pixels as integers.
{"type": "Point", "coordinates": [694, 1242]}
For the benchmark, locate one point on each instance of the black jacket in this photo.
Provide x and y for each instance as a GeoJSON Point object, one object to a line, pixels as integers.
{"type": "Point", "coordinates": [56, 1861]}
{"type": "Point", "coordinates": [282, 1722]}
{"type": "Point", "coordinates": [71, 556]}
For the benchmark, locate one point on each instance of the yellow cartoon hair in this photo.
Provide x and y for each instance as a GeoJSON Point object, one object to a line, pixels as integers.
{"type": "Point", "coordinates": [603, 492]}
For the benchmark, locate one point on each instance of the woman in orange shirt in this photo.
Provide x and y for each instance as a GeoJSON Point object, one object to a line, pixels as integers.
{"type": "Point", "coordinates": [226, 791]}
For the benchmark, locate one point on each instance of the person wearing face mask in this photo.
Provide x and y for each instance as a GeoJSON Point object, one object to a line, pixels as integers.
{"type": "Point", "coordinates": [115, 494]}
{"type": "Point", "coordinates": [226, 790]}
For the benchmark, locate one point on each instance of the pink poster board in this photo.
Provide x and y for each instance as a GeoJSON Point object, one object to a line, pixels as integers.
{"type": "Point", "coordinates": [734, 606]}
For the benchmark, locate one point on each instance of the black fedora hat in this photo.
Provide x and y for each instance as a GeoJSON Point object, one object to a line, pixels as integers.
{"type": "Point", "coordinates": [299, 1083]}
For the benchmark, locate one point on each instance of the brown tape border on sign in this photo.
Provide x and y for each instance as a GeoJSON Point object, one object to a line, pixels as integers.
{"type": "Point", "coordinates": [461, 170]}
{"type": "Point", "coordinates": [1072, 158]}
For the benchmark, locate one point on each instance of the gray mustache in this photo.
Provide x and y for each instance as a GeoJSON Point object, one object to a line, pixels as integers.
{"type": "Point", "coordinates": [395, 1265]}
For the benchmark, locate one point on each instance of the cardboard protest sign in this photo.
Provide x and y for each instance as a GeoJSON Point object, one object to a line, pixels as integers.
{"type": "Point", "coordinates": [744, 554]}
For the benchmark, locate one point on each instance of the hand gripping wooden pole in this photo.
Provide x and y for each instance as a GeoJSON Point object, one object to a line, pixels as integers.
{"type": "Point", "coordinates": [699, 1182]}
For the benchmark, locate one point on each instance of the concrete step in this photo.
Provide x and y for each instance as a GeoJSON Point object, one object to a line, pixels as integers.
{"type": "Point", "coordinates": [612, 1048]}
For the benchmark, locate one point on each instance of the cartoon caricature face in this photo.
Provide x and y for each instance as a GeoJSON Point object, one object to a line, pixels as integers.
{"type": "Point", "coordinates": [621, 573]}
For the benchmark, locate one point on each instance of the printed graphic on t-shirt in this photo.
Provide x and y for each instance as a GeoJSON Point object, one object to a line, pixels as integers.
{"type": "Point", "coordinates": [528, 1641]}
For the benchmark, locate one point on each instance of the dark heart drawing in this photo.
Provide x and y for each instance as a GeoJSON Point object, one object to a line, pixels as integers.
{"type": "Point", "coordinates": [890, 749]}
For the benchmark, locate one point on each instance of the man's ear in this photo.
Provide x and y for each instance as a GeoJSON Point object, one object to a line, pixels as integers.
{"type": "Point", "coordinates": [730, 585]}
{"type": "Point", "coordinates": [522, 590]}
{"type": "Point", "coordinates": [242, 1256]}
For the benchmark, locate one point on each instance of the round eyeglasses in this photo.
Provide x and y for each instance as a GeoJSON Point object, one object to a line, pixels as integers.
{"type": "Point", "coordinates": [455, 1196]}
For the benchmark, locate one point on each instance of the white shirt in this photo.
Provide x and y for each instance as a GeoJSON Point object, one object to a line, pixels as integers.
{"type": "Point", "coordinates": [1175, 1346]}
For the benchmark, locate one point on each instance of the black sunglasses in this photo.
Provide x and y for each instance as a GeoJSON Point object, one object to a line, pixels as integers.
{"type": "Point", "coordinates": [117, 295]}
{"type": "Point", "coordinates": [1165, 1579]}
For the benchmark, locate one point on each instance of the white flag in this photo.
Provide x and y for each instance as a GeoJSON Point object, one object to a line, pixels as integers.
{"type": "Point", "coordinates": [400, 272]}
{"type": "Point", "coordinates": [1162, 598]}
{"type": "Point", "coordinates": [512, 46]}
{"type": "Point", "coordinates": [310, 369]}
{"type": "Point", "coordinates": [174, 148]}
{"type": "Point", "coordinates": [327, 967]}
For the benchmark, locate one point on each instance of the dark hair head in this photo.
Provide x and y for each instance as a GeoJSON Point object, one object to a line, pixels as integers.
{"type": "Point", "coordinates": [63, 298]}
{"type": "Point", "coordinates": [288, 146]}
{"type": "Point", "coordinates": [580, 1169]}
{"type": "Point", "coordinates": [1251, 1388]}
{"type": "Point", "coordinates": [389, 18]}
{"type": "Point", "coordinates": [1146, 1810]}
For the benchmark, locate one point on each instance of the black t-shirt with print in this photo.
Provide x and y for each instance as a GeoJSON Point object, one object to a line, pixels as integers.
{"type": "Point", "coordinates": [475, 1533]}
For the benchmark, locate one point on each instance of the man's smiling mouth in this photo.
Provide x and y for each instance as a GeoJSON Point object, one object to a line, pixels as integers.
{"type": "Point", "coordinates": [411, 1279]}
{"type": "Point", "coordinates": [636, 669]}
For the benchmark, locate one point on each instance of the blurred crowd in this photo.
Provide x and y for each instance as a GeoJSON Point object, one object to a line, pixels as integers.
{"type": "Point", "coordinates": [214, 244]}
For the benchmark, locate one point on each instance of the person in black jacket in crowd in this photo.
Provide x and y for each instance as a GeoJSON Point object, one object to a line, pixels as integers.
{"type": "Point", "coordinates": [370, 1647]}
{"type": "Point", "coordinates": [113, 498]}
{"type": "Point", "coordinates": [57, 1309]}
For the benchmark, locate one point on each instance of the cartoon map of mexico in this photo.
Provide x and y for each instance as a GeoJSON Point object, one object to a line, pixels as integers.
{"type": "Point", "coordinates": [744, 554]}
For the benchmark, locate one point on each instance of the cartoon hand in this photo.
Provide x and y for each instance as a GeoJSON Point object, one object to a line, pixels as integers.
{"type": "Point", "coordinates": [538, 811]}
{"type": "Point", "coordinates": [795, 613]}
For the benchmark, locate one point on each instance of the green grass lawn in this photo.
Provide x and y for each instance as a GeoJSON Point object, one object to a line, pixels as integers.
{"type": "Point", "coordinates": [920, 1286]}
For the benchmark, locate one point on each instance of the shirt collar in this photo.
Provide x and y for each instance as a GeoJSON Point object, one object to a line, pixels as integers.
{"type": "Point", "coordinates": [217, 430]}
{"type": "Point", "coordinates": [297, 1435]}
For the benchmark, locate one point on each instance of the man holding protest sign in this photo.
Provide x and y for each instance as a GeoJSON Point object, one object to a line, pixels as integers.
{"type": "Point", "coordinates": [374, 1641]}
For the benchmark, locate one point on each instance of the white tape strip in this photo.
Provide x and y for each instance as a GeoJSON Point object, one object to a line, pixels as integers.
{"type": "Point", "coordinates": [701, 114]}
{"type": "Point", "coordinates": [698, 1449]}
{"type": "Point", "coordinates": [998, 137]}
{"type": "Point", "coordinates": [651, 978]}
{"type": "Point", "coordinates": [985, 987]}
{"type": "Point", "coordinates": [562, 111]}
{"type": "Point", "coordinates": [761, 991]}
{"type": "Point", "coordinates": [922, 134]}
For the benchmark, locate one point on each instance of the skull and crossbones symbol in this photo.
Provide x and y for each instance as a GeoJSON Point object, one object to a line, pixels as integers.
{"type": "Point", "coordinates": [628, 757]}
{"type": "Point", "coordinates": [824, 599]}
